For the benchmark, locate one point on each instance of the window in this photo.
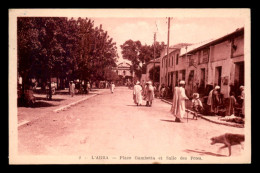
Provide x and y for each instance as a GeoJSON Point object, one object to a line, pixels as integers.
{"type": "Point", "coordinates": [162, 62]}
{"type": "Point", "coordinates": [172, 60]}
{"type": "Point", "coordinates": [177, 58]}
{"type": "Point", "coordinates": [205, 58]}
{"type": "Point", "coordinates": [191, 60]}
{"type": "Point", "coordinates": [183, 74]}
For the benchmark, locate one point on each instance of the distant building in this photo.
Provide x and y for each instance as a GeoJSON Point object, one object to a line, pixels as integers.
{"type": "Point", "coordinates": [123, 70]}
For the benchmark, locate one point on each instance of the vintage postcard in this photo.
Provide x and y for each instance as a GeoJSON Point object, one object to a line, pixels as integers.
{"type": "Point", "coordinates": [129, 86]}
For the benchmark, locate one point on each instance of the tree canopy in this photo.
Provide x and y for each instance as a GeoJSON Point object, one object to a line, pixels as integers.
{"type": "Point", "coordinates": [61, 47]}
{"type": "Point", "coordinates": [140, 54]}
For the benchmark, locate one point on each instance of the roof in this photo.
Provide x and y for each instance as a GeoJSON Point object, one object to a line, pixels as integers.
{"type": "Point", "coordinates": [124, 64]}
{"type": "Point", "coordinates": [157, 60]}
{"type": "Point", "coordinates": [204, 44]}
{"type": "Point", "coordinates": [176, 47]}
{"type": "Point", "coordinates": [194, 46]}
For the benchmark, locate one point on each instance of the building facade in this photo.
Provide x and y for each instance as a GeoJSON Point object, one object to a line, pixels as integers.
{"type": "Point", "coordinates": [171, 65]}
{"type": "Point", "coordinates": [123, 70]}
{"type": "Point", "coordinates": [216, 62]}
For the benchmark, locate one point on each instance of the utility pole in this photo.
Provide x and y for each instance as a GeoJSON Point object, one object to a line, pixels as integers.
{"type": "Point", "coordinates": [168, 40]}
{"type": "Point", "coordinates": [154, 56]}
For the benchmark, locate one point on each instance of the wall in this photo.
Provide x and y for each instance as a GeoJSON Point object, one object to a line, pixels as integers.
{"type": "Point", "coordinates": [221, 51]}
{"type": "Point", "coordinates": [239, 43]}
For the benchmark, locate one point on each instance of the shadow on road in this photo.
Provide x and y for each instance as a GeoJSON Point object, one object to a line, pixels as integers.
{"type": "Point", "coordinates": [53, 99]}
{"type": "Point", "coordinates": [204, 153]}
{"type": "Point", "coordinates": [41, 104]}
{"type": "Point", "coordinates": [171, 121]}
{"type": "Point", "coordinates": [184, 120]}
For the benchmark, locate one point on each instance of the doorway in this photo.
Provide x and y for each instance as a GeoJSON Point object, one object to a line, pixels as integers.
{"type": "Point", "coordinates": [202, 76]}
{"type": "Point", "coordinates": [218, 72]}
{"type": "Point", "coordinates": [239, 73]}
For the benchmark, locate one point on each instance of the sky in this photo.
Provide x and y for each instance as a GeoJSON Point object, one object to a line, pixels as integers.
{"type": "Point", "coordinates": [182, 30]}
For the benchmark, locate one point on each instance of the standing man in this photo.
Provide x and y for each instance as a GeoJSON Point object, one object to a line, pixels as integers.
{"type": "Point", "coordinates": [137, 94]}
{"type": "Point", "coordinates": [112, 87]}
{"type": "Point", "coordinates": [215, 100]}
{"type": "Point", "coordinates": [72, 88]}
{"type": "Point", "coordinates": [178, 102]}
{"type": "Point", "coordinates": [149, 94]}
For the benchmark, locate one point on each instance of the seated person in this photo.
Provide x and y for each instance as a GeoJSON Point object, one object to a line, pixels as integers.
{"type": "Point", "coordinates": [196, 105]}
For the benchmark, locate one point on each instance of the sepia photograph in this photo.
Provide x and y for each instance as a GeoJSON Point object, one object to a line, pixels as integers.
{"type": "Point", "coordinates": [129, 86]}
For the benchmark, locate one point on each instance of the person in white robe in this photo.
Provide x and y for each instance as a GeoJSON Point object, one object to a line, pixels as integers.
{"type": "Point", "coordinates": [112, 87]}
{"type": "Point", "coordinates": [149, 93]}
{"type": "Point", "coordinates": [178, 103]}
{"type": "Point", "coordinates": [137, 94]}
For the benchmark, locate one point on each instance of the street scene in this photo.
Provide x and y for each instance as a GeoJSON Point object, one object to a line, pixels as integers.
{"type": "Point", "coordinates": [132, 90]}
{"type": "Point", "coordinates": [120, 128]}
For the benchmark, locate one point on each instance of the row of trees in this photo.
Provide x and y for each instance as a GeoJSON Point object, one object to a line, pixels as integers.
{"type": "Point", "coordinates": [140, 55]}
{"type": "Point", "coordinates": [64, 48]}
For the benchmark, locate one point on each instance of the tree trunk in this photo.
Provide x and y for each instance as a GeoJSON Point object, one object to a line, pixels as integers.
{"type": "Point", "coordinates": [50, 90]}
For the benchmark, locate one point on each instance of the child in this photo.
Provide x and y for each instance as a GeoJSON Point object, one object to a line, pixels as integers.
{"type": "Point", "coordinates": [196, 105]}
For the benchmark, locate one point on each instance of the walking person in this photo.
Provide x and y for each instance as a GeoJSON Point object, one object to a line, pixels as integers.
{"type": "Point", "coordinates": [72, 88]}
{"type": "Point", "coordinates": [178, 102]}
{"type": "Point", "coordinates": [137, 94]}
{"type": "Point", "coordinates": [112, 87]}
{"type": "Point", "coordinates": [149, 93]}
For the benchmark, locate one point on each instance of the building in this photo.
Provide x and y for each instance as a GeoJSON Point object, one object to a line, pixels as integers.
{"type": "Point", "coordinates": [170, 66]}
{"type": "Point", "coordinates": [123, 70]}
{"type": "Point", "coordinates": [214, 62]}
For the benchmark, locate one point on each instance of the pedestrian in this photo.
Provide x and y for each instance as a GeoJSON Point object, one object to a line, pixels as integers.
{"type": "Point", "coordinates": [162, 91]}
{"type": "Point", "coordinates": [243, 98]}
{"type": "Point", "coordinates": [88, 87]}
{"type": "Point", "coordinates": [231, 104]}
{"type": "Point", "coordinates": [215, 100]}
{"type": "Point", "coordinates": [112, 87]}
{"type": "Point", "coordinates": [72, 88]}
{"type": "Point", "coordinates": [196, 105]}
{"type": "Point", "coordinates": [137, 94]}
{"type": "Point", "coordinates": [178, 102]}
{"type": "Point", "coordinates": [149, 93]}
{"type": "Point", "coordinates": [48, 91]}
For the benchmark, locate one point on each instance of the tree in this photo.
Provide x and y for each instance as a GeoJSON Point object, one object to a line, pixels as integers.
{"type": "Point", "coordinates": [140, 54]}
{"type": "Point", "coordinates": [110, 75]}
{"type": "Point", "coordinates": [156, 71]}
{"type": "Point", "coordinates": [65, 48]}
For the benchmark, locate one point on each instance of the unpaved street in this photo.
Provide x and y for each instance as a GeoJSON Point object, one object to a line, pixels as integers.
{"type": "Point", "coordinates": [111, 125]}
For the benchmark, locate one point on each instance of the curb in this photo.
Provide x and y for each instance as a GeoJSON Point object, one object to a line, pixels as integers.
{"type": "Point", "coordinates": [71, 104]}
{"type": "Point", "coordinates": [25, 122]}
{"type": "Point", "coordinates": [207, 119]}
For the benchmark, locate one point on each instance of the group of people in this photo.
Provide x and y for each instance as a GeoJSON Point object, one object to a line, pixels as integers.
{"type": "Point", "coordinates": [214, 101]}
{"type": "Point", "coordinates": [143, 93]}
{"type": "Point", "coordinates": [178, 108]}
{"type": "Point", "coordinates": [72, 88]}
